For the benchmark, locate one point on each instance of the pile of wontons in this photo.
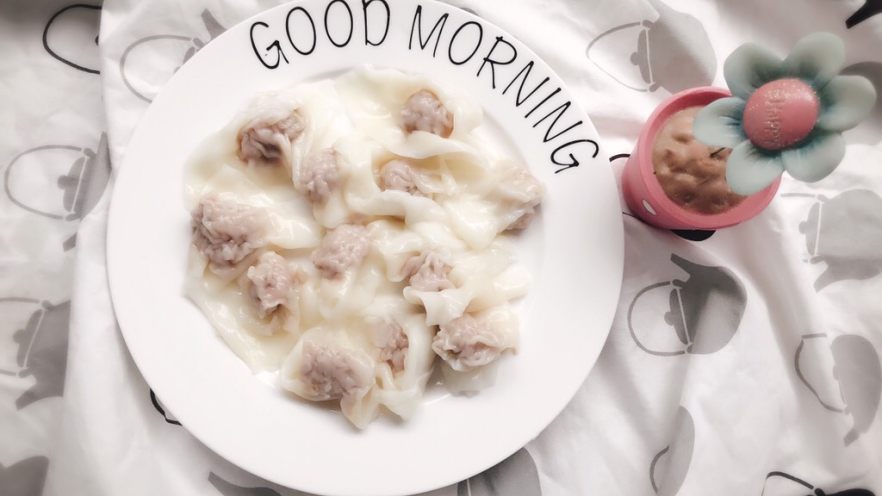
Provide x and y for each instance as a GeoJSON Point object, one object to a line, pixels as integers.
{"type": "Point", "coordinates": [347, 232]}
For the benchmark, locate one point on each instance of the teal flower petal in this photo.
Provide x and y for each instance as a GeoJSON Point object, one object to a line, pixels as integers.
{"type": "Point", "coordinates": [749, 67]}
{"type": "Point", "coordinates": [719, 123]}
{"type": "Point", "coordinates": [749, 170]}
{"type": "Point", "coordinates": [817, 58]}
{"type": "Point", "coordinates": [816, 159]}
{"type": "Point", "coordinates": [846, 101]}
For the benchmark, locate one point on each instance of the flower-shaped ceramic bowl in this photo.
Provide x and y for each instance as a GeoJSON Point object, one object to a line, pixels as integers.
{"type": "Point", "coordinates": [644, 194]}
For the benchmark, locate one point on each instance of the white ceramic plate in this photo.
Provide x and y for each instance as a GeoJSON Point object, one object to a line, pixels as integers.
{"type": "Point", "coordinates": [574, 251]}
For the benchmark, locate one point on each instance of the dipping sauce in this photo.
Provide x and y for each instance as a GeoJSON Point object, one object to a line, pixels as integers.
{"type": "Point", "coordinates": [692, 174]}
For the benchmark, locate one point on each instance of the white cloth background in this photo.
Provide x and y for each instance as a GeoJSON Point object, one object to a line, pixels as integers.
{"type": "Point", "coordinates": [775, 378]}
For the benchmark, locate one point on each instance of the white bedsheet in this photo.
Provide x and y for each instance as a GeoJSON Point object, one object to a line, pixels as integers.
{"type": "Point", "coordinates": [772, 385]}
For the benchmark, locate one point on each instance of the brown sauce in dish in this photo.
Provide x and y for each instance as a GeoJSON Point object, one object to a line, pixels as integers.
{"type": "Point", "coordinates": [692, 174]}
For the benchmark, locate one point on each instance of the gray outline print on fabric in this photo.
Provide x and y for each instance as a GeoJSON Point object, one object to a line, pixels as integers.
{"type": "Point", "coordinates": [42, 349]}
{"type": "Point", "coordinates": [867, 132]}
{"type": "Point", "coordinates": [661, 53]}
{"type": "Point", "coordinates": [704, 311]}
{"type": "Point", "coordinates": [845, 233]}
{"type": "Point", "coordinates": [24, 478]}
{"type": "Point", "coordinates": [669, 467]}
{"type": "Point", "coordinates": [65, 15]}
{"type": "Point", "coordinates": [82, 186]}
{"type": "Point", "coordinates": [227, 488]}
{"type": "Point", "coordinates": [517, 475]}
{"type": "Point", "coordinates": [858, 373]}
{"type": "Point", "coordinates": [189, 46]}
{"type": "Point", "coordinates": [815, 491]}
